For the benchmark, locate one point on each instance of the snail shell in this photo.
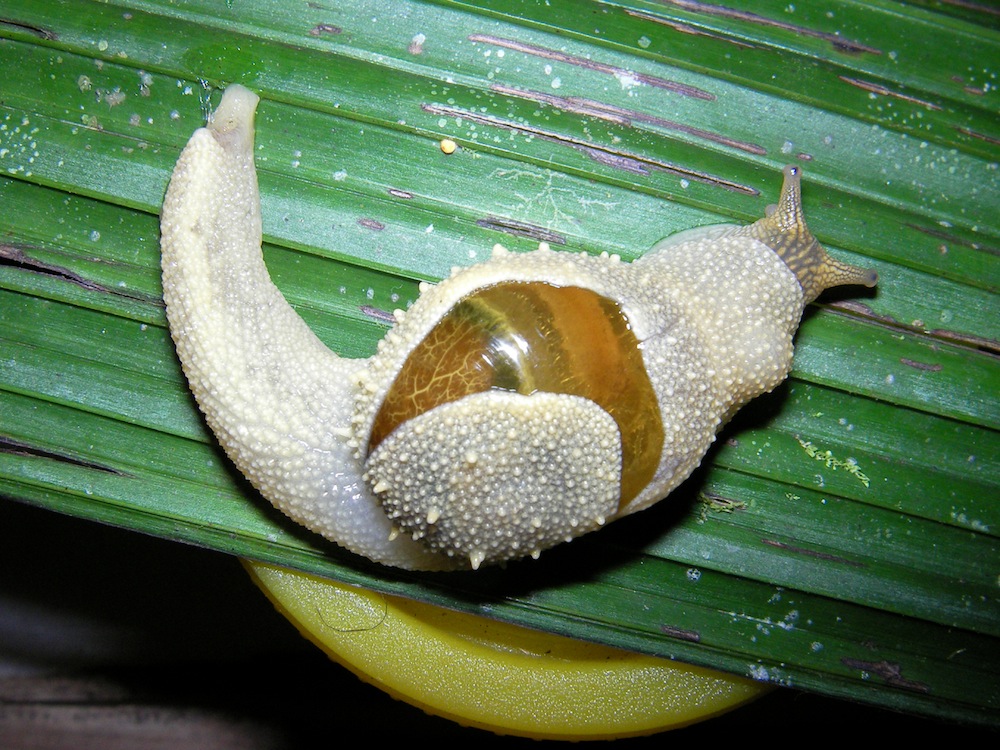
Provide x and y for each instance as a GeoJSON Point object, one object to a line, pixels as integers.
{"type": "Point", "coordinates": [520, 403]}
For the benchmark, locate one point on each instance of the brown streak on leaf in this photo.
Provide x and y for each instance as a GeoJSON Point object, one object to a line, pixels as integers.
{"type": "Point", "coordinates": [860, 308]}
{"type": "Point", "coordinates": [400, 194]}
{"type": "Point", "coordinates": [521, 229]}
{"type": "Point", "coordinates": [876, 88]}
{"type": "Point", "coordinates": [12, 255]}
{"type": "Point", "coordinates": [685, 28]}
{"type": "Point", "coordinates": [551, 54]}
{"type": "Point", "coordinates": [16, 447]}
{"type": "Point", "coordinates": [891, 672]}
{"type": "Point", "coordinates": [953, 239]}
{"type": "Point", "coordinates": [37, 31]}
{"type": "Point", "coordinates": [378, 314]}
{"type": "Point", "coordinates": [680, 634]}
{"type": "Point", "coordinates": [576, 105]}
{"type": "Point", "coordinates": [845, 45]}
{"type": "Point", "coordinates": [990, 346]}
{"type": "Point", "coordinates": [750, 148]}
{"type": "Point", "coordinates": [812, 553]}
{"type": "Point", "coordinates": [615, 159]}
{"type": "Point", "coordinates": [376, 226]}
{"type": "Point", "coordinates": [622, 116]}
{"type": "Point", "coordinates": [324, 28]}
{"type": "Point", "coordinates": [975, 134]}
{"type": "Point", "coordinates": [920, 365]}
{"type": "Point", "coordinates": [969, 5]}
{"type": "Point", "coordinates": [707, 179]}
{"type": "Point", "coordinates": [618, 161]}
{"type": "Point", "coordinates": [629, 162]}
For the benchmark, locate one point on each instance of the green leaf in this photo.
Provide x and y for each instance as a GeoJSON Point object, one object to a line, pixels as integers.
{"type": "Point", "coordinates": [843, 535]}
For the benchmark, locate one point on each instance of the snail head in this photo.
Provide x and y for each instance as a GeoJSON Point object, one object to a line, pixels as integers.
{"type": "Point", "coordinates": [784, 230]}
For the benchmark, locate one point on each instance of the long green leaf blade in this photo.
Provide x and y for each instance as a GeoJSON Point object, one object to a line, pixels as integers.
{"type": "Point", "coordinates": [843, 535]}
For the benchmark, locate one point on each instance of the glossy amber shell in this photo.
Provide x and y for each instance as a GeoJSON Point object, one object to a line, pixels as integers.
{"type": "Point", "coordinates": [527, 337]}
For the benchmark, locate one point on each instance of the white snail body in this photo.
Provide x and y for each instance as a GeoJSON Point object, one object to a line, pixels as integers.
{"type": "Point", "coordinates": [521, 402]}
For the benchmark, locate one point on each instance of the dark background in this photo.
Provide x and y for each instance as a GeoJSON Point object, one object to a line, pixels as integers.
{"type": "Point", "coordinates": [110, 639]}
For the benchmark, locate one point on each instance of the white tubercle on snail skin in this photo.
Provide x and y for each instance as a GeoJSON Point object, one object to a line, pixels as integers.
{"type": "Point", "coordinates": [520, 403]}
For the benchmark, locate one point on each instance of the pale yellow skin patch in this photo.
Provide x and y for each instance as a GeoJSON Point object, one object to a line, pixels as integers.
{"type": "Point", "coordinates": [714, 311]}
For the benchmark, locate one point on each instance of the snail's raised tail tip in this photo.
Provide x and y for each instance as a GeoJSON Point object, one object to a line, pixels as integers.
{"type": "Point", "coordinates": [232, 122]}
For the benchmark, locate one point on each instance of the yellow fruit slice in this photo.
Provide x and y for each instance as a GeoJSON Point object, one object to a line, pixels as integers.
{"type": "Point", "coordinates": [495, 676]}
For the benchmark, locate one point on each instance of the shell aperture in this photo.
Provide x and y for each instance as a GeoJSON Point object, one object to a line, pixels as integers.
{"type": "Point", "coordinates": [552, 392]}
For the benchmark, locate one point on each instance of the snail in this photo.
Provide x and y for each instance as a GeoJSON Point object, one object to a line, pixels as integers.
{"type": "Point", "coordinates": [523, 401]}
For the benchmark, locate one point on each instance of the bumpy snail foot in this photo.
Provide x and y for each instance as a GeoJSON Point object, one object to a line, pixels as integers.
{"type": "Point", "coordinates": [498, 475]}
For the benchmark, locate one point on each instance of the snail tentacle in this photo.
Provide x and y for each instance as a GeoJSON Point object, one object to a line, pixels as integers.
{"type": "Point", "coordinates": [784, 230]}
